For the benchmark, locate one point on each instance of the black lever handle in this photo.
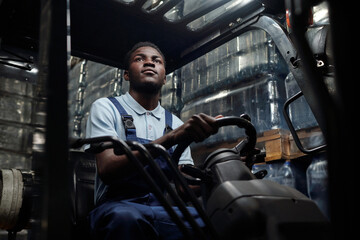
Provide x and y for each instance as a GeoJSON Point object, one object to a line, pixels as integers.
{"type": "Point", "coordinates": [197, 175]}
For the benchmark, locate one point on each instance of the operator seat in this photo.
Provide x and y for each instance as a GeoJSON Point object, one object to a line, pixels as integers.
{"type": "Point", "coordinates": [82, 172]}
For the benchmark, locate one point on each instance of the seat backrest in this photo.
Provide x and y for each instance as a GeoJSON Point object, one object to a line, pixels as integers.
{"type": "Point", "coordinates": [82, 169]}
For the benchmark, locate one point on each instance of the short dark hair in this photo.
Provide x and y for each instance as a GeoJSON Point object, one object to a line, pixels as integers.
{"type": "Point", "coordinates": [137, 46]}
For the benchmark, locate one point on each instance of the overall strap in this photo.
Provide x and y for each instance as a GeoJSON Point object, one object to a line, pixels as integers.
{"type": "Point", "coordinates": [168, 121]}
{"type": "Point", "coordinates": [128, 121]}
{"type": "Point", "coordinates": [168, 127]}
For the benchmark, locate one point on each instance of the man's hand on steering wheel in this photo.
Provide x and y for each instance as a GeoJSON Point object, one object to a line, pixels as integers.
{"type": "Point", "coordinates": [196, 129]}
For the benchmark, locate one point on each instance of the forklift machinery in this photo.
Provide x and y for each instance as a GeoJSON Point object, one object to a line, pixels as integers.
{"type": "Point", "coordinates": [52, 196]}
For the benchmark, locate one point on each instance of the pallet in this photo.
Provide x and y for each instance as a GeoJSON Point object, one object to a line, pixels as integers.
{"type": "Point", "coordinates": [277, 143]}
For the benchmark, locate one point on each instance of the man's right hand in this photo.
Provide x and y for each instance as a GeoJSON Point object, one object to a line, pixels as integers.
{"type": "Point", "coordinates": [196, 129]}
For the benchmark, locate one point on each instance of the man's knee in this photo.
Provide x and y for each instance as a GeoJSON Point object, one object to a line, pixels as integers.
{"type": "Point", "coordinates": [120, 217]}
{"type": "Point", "coordinates": [126, 222]}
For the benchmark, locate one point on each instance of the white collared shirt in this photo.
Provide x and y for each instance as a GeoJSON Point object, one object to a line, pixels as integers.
{"type": "Point", "coordinates": [105, 120]}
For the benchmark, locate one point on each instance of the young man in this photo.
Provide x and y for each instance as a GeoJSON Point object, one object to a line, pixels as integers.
{"type": "Point", "coordinates": [125, 206]}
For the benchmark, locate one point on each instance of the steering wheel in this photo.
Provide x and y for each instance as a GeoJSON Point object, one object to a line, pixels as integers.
{"type": "Point", "coordinates": [243, 148]}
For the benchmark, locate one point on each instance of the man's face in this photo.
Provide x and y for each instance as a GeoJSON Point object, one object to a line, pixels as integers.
{"type": "Point", "coordinates": [146, 71]}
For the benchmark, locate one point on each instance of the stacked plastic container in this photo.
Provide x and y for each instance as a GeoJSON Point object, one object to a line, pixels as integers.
{"type": "Point", "coordinates": [313, 182]}
{"type": "Point", "coordinates": [170, 93]}
{"type": "Point", "coordinates": [299, 111]}
{"type": "Point", "coordinates": [244, 75]}
{"type": "Point", "coordinates": [17, 101]}
{"type": "Point", "coordinates": [317, 183]}
{"type": "Point", "coordinates": [89, 81]}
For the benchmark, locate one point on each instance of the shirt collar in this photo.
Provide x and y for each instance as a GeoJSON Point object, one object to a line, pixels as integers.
{"type": "Point", "coordinates": [134, 105]}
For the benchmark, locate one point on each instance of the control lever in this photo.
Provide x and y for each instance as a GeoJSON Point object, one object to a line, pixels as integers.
{"type": "Point", "coordinates": [239, 147]}
{"type": "Point", "coordinates": [195, 175]}
{"type": "Point", "coordinates": [246, 117]}
{"type": "Point", "coordinates": [99, 147]}
{"type": "Point", "coordinates": [249, 160]}
{"type": "Point", "coordinates": [261, 174]}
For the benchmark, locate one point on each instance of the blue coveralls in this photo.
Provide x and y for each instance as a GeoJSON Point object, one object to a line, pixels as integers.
{"type": "Point", "coordinates": [129, 209]}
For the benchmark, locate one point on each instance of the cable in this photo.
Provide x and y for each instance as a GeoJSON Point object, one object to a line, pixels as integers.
{"type": "Point", "coordinates": [161, 150]}
{"type": "Point", "coordinates": [161, 198]}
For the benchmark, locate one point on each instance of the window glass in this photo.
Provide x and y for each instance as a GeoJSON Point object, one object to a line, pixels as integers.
{"type": "Point", "coordinates": [127, 1]}
{"type": "Point", "coordinates": [217, 13]}
{"type": "Point", "coordinates": [185, 7]}
{"type": "Point", "coordinates": [153, 5]}
{"type": "Point", "coordinates": [244, 75]}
